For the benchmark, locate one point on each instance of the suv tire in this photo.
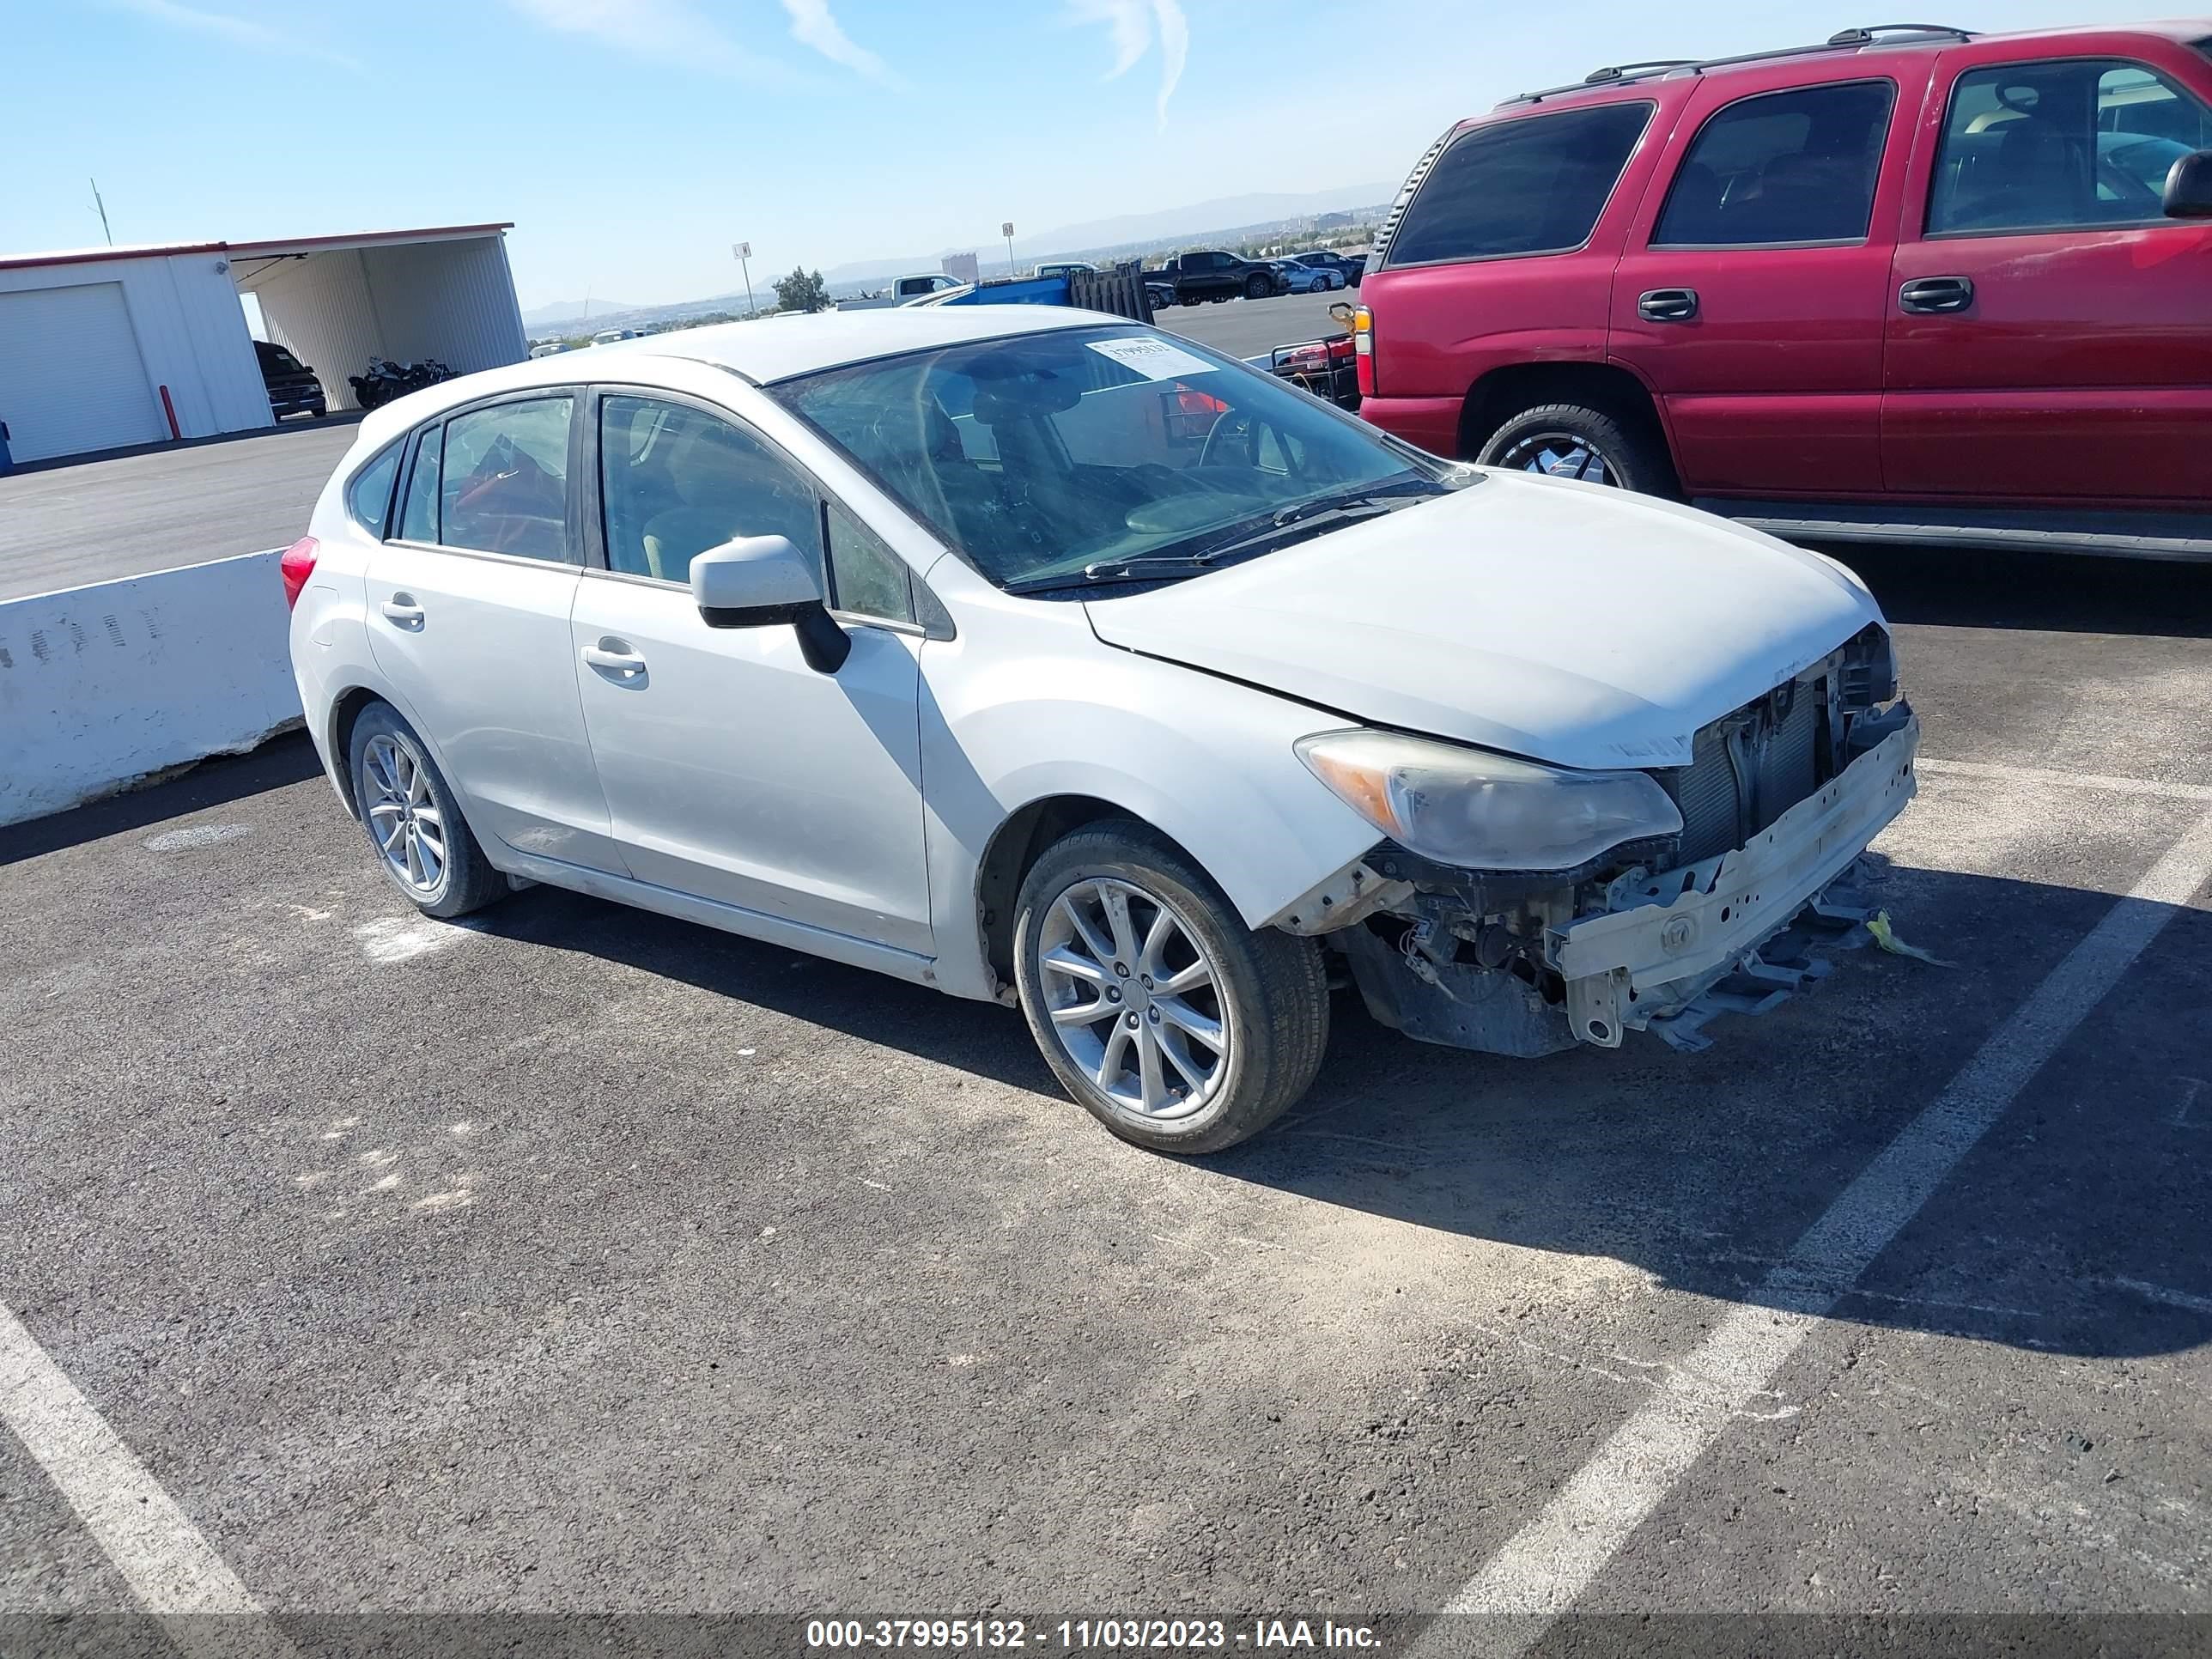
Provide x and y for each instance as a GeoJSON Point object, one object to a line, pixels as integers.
{"type": "Point", "coordinates": [1259, 289]}
{"type": "Point", "coordinates": [1112, 917]}
{"type": "Point", "coordinates": [1613, 451]}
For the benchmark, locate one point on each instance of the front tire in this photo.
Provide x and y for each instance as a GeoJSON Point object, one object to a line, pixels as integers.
{"type": "Point", "coordinates": [1171, 1022]}
{"type": "Point", "coordinates": [1258, 289]}
{"type": "Point", "coordinates": [422, 843]}
{"type": "Point", "coordinates": [1573, 440]}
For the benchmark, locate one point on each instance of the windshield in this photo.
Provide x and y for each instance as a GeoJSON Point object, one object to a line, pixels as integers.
{"type": "Point", "coordinates": [1065, 458]}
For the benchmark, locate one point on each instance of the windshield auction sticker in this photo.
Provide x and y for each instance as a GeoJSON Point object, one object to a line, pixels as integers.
{"type": "Point", "coordinates": [1155, 360]}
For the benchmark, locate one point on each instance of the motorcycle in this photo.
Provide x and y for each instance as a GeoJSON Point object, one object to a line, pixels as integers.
{"type": "Point", "coordinates": [387, 380]}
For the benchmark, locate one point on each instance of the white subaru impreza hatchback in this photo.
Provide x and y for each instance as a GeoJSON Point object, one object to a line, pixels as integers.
{"type": "Point", "coordinates": [1042, 657]}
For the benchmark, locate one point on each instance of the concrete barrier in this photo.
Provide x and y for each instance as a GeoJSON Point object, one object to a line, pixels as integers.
{"type": "Point", "coordinates": [105, 686]}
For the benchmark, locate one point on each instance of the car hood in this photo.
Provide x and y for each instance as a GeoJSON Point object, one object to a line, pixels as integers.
{"type": "Point", "coordinates": [1561, 622]}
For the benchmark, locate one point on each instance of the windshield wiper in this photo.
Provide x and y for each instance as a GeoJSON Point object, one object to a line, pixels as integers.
{"type": "Point", "coordinates": [1139, 568]}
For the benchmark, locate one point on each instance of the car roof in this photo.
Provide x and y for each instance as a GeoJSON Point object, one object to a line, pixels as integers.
{"type": "Point", "coordinates": [1602, 85]}
{"type": "Point", "coordinates": [763, 352]}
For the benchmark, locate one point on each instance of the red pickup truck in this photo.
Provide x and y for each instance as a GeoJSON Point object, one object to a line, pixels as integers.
{"type": "Point", "coordinates": [1909, 284]}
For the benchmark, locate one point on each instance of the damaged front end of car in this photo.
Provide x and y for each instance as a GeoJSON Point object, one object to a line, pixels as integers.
{"type": "Point", "coordinates": [1710, 892]}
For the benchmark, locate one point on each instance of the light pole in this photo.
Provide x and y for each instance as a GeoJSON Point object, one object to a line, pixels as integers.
{"type": "Point", "coordinates": [1007, 230]}
{"type": "Point", "coordinates": [745, 252]}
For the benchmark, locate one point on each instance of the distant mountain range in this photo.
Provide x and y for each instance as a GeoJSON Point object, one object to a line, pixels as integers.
{"type": "Point", "coordinates": [1215, 218]}
{"type": "Point", "coordinates": [572, 311]}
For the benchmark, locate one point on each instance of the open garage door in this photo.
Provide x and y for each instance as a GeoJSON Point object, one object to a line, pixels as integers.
{"type": "Point", "coordinates": [74, 377]}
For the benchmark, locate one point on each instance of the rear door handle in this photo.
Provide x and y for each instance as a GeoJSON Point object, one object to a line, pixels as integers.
{"type": "Point", "coordinates": [401, 611]}
{"type": "Point", "coordinates": [1936, 294]}
{"type": "Point", "coordinates": [1668, 305]}
{"type": "Point", "coordinates": [615, 660]}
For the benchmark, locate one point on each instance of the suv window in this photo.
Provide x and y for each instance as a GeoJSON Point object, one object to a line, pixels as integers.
{"type": "Point", "coordinates": [1531, 185]}
{"type": "Point", "coordinates": [2042, 146]}
{"type": "Point", "coordinates": [505, 484]}
{"type": "Point", "coordinates": [368, 497]}
{"type": "Point", "coordinates": [674, 480]}
{"type": "Point", "coordinates": [1782, 167]}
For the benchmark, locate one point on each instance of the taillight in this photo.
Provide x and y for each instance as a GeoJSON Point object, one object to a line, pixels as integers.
{"type": "Point", "coordinates": [296, 566]}
{"type": "Point", "coordinates": [1362, 346]}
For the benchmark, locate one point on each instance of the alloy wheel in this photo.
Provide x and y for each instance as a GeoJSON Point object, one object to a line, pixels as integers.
{"type": "Point", "coordinates": [1561, 454]}
{"type": "Point", "coordinates": [403, 815]}
{"type": "Point", "coordinates": [1134, 998]}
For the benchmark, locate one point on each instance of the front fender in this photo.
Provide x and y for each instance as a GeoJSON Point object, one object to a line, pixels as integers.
{"type": "Point", "coordinates": [1207, 761]}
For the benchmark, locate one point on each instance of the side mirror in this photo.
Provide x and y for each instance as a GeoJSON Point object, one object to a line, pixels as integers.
{"type": "Point", "coordinates": [763, 581]}
{"type": "Point", "coordinates": [2189, 186]}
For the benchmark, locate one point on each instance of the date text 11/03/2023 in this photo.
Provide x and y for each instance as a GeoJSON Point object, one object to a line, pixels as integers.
{"type": "Point", "coordinates": [1085, 1635]}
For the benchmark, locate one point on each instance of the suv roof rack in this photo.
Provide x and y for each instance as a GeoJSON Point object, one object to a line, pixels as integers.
{"type": "Point", "coordinates": [1873, 34]}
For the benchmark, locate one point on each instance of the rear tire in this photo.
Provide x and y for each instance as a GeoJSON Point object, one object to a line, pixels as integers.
{"type": "Point", "coordinates": [1575, 440]}
{"type": "Point", "coordinates": [1176, 964]}
{"type": "Point", "coordinates": [422, 843]}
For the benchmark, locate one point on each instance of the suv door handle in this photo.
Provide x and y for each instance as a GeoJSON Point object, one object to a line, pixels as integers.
{"type": "Point", "coordinates": [1668, 305]}
{"type": "Point", "coordinates": [401, 611]}
{"type": "Point", "coordinates": [1934, 295]}
{"type": "Point", "coordinates": [615, 661]}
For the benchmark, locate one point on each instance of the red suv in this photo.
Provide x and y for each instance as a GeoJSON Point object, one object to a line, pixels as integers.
{"type": "Point", "coordinates": [1911, 285]}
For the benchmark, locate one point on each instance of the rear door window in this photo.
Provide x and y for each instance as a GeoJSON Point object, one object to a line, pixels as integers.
{"type": "Point", "coordinates": [418, 513]}
{"type": "Point", "coordinates": [1532, 185]}
{"type": "Point", "coordinates": [1786, 167]}
{"type": "Point", "coordinates": [505, 487]}
{"type": "Point", "coordinates": [2067, 142]}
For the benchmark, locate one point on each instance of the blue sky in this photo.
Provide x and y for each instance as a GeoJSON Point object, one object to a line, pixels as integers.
{"type": "Point", "coordinates": [633, 141]}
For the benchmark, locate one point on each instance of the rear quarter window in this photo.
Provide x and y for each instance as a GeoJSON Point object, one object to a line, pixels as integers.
{"type": "Point", "coordinates": [1535, 184]}
{"type": "Point", "coordinates": [368, 497]}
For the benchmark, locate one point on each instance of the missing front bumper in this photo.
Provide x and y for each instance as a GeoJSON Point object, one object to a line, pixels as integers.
{"type": "Point", "coordinates": [1670, 950]}
{"type": "Point", "coordinates": [1734, 933]}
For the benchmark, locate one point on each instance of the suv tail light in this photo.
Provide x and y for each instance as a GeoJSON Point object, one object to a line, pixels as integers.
{"type": "Point", "coordinates": [296, 566]}
{"type": "Point", "coordinates": [1362, 346]}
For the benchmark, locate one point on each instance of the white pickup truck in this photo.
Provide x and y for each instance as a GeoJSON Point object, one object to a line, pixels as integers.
{"type": "Point", "coordinates": [904, 290]}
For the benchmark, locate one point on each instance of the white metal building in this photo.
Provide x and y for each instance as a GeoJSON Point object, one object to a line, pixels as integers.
{"type": "Point", "coordinates": [109, 347]}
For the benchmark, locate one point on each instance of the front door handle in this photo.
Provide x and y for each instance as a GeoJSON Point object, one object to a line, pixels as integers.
{"type": "Point", "coordinates": [615, 661]}
{"type": "Point", "coordinates": [401, 611]}
{"type": "Point", "coordinates": [1933, 296]}
{"type": "Point", "coordinates": [1668, 305]}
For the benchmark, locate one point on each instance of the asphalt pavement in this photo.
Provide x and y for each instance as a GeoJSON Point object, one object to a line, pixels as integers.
{"type": "Point", "coordinates": [96, 520]}
{"type": "Point", "coordinates": [1245, 328]}
{"type": "Point", "coordinates": [578, 1261]}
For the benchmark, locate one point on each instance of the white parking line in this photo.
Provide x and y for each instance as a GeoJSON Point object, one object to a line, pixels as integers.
{"type": "Point", "coordinates": [1543, 1568]}
{"type": "Point", "coordinates": [174, 1572]}
{"type": "Point", "coordinates": [2055, 780]}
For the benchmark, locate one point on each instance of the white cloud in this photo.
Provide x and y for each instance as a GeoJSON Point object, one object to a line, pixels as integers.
{"type": "Point", "coordinates": [1133, 25]}
{"type": "Point", "coordinates": [239, 31]}
{"type": "Point", "coordinates": [811, 25]}
{"type": "Point", "coordinates": [666, 31]}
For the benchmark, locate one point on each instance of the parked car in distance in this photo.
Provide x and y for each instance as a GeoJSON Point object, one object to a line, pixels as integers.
{"type": "Point", "coordinates": [1066, 267]}
{"type": "Point", "coordinates": [1911, 284]}
{"type": "Point", "coordinates": [1293, 277]}
{"type": "Point", "coordinates": [610, 336]}
{"type": "Point", "coordinates": [549, 348]}
{"type": "Point", "coordinates": [1210, 274]}
{"type": "Point", "coordinates": [1347, 271]}
{"type": "Point", "coordinates": [904, 291]}
{"type": "Point", "coordinates": [1044, 658]}
{"type": "Point", "coordinates": [293, 387]}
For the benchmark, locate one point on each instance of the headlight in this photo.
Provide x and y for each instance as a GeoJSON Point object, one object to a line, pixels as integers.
{"type": "Point", "coordinates": [1481, 812]}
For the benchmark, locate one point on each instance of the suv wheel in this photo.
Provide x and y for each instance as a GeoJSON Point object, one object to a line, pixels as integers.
{"type": "Point", "coordinates": [420, 839]}
{"type": "Point", "coordinates": [1258, 289]}
{"type": "Point", "coordinates": [1174, 1024]}
{"type": "Point", "coordinates": [1571, 441]}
